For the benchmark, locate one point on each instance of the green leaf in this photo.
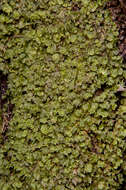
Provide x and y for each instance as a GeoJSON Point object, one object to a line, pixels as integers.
{"type": "Point", "coordinates": [56, 57]}
{"type": "Point", "coordinates": [88, 168]}
{"type": "Point", "coordinates": [7, 8]}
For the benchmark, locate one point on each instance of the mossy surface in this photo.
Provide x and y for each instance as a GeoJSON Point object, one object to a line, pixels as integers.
{"type": "Point", "coordinates": [68, 127]}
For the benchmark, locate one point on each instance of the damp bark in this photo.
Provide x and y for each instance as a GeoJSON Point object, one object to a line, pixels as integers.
{"type": "Point", "coordinates": [118, 12]}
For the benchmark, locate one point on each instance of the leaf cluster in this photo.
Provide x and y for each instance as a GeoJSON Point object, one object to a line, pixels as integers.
{"type": "Point", "coordinates": [68, 127]}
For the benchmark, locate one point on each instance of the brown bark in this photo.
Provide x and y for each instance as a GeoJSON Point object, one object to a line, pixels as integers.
{"type": "Point", "coordinates": [123, 5]}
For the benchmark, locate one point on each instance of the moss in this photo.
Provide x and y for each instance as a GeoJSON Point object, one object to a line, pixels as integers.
{"type": "Point", "coordinates": [64, 69]}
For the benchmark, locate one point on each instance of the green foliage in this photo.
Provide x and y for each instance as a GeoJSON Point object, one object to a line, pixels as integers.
{"type": "Point", "coordinates": [67, 130]}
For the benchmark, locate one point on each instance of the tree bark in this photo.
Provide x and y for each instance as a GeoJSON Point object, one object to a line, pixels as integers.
{"type": "Point", "coordinates": [123, 5]}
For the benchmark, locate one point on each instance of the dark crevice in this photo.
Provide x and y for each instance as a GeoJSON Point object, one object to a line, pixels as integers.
{"type": "Point", "coordinates": [100, 90]}
{"type": "Point", "coordinates": [5, 107]}
{"type": "Point", "coordinates": [118, 102]}
{"type": "Point", "coordinates": [75, 6]}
